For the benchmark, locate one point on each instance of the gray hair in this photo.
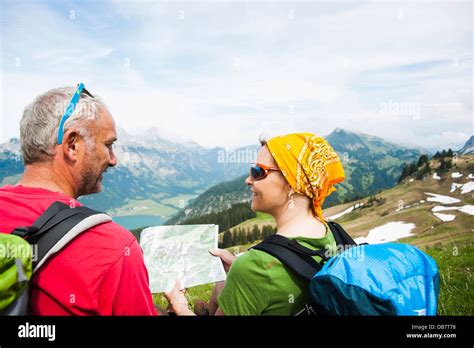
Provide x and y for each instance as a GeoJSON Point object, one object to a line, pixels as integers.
{"type": "Point", "coordinates": [40, 121]}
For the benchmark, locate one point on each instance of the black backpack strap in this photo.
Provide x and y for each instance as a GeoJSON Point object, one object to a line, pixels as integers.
{"type": "Point", "coordinates": [27, 232]}
{"type": "Point", "coordinates": [292, 254]}
{"type": "Point", "coordinates": [52, 211]}
{"type": "Point", "coordinates": [340, 236]}
{"type": "Point", "coordinates": [294, 246]}
{"type": "Point", "coordinates": [298, 258]}
{"type": "Point", "coordinates": [56, 227]}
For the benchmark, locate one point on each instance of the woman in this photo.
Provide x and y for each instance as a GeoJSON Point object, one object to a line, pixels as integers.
{"type": "Point", "coordinates": [293, 175]}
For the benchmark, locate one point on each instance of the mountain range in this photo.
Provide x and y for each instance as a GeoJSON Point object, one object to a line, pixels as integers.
{"type": "Point", "coordinates": [468, 148]}
{"type": "Point", "coordinates": [159, 177]}
{"type": "Point", "coordinates": [154, 176]}
{"type": "Point", "coordinates": [370, 164]}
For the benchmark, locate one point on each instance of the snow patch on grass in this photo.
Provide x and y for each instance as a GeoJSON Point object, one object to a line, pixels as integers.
{"type": "Point", "coordinates": [441, 199]}
{"type": "Point", "coordinates": [445, 217]}
{"type": "Point", "coordinates": [389, 232]}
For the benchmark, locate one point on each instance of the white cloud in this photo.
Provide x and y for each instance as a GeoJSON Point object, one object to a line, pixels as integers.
{"type": "Point", "coordinates": [222, 73]}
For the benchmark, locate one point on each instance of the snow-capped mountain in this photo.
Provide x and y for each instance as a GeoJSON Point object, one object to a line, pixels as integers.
{"type": "Point", "coordinates": [370, 164]}
{"type": "Point", "coordinates": [150, 168]}
{"type": "Point", "coordinates": [468, 148]}
{"type": "Point", "coordinates": [159, 177]}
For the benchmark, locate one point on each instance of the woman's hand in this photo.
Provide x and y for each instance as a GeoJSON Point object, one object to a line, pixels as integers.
{"type": "Point", "coordinates": [177, 300]}
{"type": "Point", "coordinates": [226, 257]}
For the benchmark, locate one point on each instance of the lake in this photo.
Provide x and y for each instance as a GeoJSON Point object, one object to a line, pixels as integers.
{"type": "Point", "coordinates": [131, 222]}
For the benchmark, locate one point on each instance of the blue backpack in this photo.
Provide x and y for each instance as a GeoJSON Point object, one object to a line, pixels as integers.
{"type": "Point", "coordinates": [379, 279]}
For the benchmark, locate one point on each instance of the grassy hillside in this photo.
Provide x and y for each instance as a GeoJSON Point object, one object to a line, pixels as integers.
{"type": "Point", "coordinates": [408, 195]}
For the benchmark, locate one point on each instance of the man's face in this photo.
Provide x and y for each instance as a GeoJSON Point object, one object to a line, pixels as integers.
{"type": "Point", "coordinates": [98, 157]}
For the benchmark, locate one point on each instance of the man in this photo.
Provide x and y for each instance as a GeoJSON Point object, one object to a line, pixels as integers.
{"type": "Point", "coordinates": [66, 140]}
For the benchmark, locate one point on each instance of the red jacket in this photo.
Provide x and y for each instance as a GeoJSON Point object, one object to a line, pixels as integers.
{"type": "Point", "coordinates": [100, 272]}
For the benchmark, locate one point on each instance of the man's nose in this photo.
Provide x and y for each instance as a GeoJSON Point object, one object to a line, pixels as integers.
{"type": "Point", "coordinates": [113, 159]}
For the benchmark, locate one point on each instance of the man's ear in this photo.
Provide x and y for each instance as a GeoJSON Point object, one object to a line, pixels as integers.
{"type": "Point", "coordinates": [70, 146]}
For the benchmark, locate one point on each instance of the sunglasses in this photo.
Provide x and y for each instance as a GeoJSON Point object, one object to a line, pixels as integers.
{"type": "Point", "coordinates": [260, 171]}
{"type": "Point", "coordinates": [70, 109]}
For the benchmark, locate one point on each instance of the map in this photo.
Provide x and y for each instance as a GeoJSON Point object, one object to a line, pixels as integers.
{"type": "Point", "coordinates": [181, 252]}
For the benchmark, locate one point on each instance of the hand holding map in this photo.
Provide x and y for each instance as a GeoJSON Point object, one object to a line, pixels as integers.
{"type": "Point", "coordinates": [226, 257]}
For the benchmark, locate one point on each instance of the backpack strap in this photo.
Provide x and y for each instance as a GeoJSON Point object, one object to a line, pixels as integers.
{"type": "Point", "coordinates": [298, 258]}
{"type": "Point", "coordinates": [56, 227]}
{"type": "Point", "coordinates": [340, 236]}
{"type": "Point", "coordinates": [293, 255]}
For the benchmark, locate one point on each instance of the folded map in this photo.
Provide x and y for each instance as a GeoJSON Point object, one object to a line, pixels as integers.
{"type": "Point", "coordinates": [181, 252]}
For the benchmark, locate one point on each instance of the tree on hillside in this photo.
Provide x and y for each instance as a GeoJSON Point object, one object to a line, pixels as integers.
{"type": "Point", "coordinates": [243, 236]}
{"type": "Point", "coordinates": [227, 242]}
{"type": "Point", "coordinates": [404, 174]}
{"type": "Point", "coordinates": [422, 160]}
{"type": "Point", "coordinates": [255, 233]}
{"type": "Point", "coordinates": [248, 235]}
{"type": "Point", "coordinates": [425, 170]}
{"type": "Point", "coordinates": [236, 240]}
{"type": "Point", "coordinates": [408, 169]}
{"type": "Point", "coordinates": [233, 216]}
{"type": "Point", "coordinates": [444, 153]}
{"type": "Point", "coordinates": [235, 237]}
{"type": "Point", "coordinates": [267, 230]}
{"type": "Point", "coordinates": [445, 165]}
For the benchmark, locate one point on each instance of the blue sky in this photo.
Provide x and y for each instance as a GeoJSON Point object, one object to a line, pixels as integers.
{"type": "Point", "coordinates": [221, 73]}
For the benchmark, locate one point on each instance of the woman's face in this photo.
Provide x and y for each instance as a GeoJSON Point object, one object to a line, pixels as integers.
{"type": "Point", "coordinates": [270, 194]}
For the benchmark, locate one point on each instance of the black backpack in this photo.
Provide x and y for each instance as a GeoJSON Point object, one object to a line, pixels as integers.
{"type": "Point", "coordinates": [51, 232]}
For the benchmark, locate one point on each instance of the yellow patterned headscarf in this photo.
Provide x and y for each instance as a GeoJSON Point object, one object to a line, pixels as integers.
{"type": "Point", "coordinates": [309, 164]}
